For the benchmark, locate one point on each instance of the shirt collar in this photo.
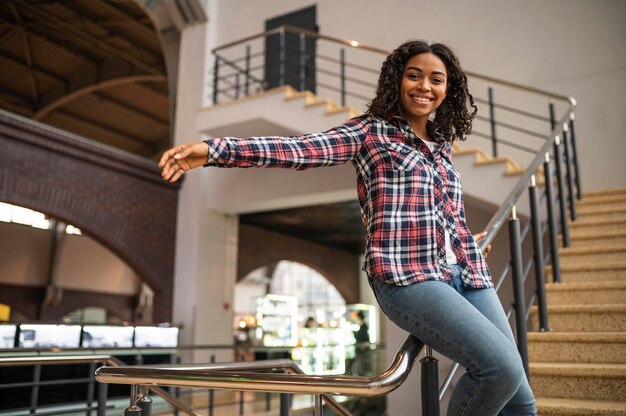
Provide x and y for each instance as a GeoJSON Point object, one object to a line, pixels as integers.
{"type": "Point", "coordinates": [433, 130]}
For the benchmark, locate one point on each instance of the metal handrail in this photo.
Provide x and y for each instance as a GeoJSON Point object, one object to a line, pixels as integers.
{"type": "Point", "coordinates": [207, 376]}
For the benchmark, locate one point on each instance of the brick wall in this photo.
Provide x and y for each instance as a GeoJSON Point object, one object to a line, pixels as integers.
{"type": "Point", "coordinates": [259, 247]}
{"type": "Point", "coordinates": [116, 198]}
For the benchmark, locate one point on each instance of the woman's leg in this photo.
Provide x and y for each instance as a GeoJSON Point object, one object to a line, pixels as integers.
{"type": "Point", "coordinates": [437, 314]}
{"type": "Point", "coordinates": [487, 302]}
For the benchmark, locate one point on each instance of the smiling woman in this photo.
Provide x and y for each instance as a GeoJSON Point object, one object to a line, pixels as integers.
{"type": "Point", "coordinates": [423, 263]}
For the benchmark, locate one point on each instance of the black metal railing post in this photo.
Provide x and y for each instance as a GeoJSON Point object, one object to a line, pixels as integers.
{"type": "Point", "coordinates": [342, 75]}
{"type": "Point", "coordinates": [241, 393]}
{"type": "Point", "coordinates": [103, 389]}
{"type": "Point", "coordinates": [552, 112]}
{"type": "Point", "coordinates": [237, 84]}
{"type": "Point", "coordinates": [492, 121]}
{"type": "Point", "coordinates": [569, 173]}
{"type": "Point", "coordinates": [281, 58]}
{"type": "Point", "coordinates": [144, 402]}
{"type": "Point", "coordinates": [540, 277]}
{"type": "Point", "coordinates": [302, 63]}
{"type": "Point", "coordinates": [34, 393]}
{"type": "Point", "coordinates": [558, 161]}
{"type": "Point", "coordinates": [518, 288]}
{"type": "Point", "coordinates": [91, 387]}
{"type": "Point", "coordinates": [177, 360]}
{"type": "Point", "coordinates": [246, 84]}
{"type": "Point", "coordinates": [211, 392]}
{"type": "Point", "coordinates": [285, 404]}
{"type": "Point", "coordinates": [554, 242]}
{"type": "Point", "coordinates": [572, 131]}
{"type": "Point", "coordinates": [216, 70]}
{"type": "Point", "coordinates": [430, 384]}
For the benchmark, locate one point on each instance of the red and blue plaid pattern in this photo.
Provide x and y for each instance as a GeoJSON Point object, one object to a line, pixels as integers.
{"type": "Point", "coordinates": [408, 195]}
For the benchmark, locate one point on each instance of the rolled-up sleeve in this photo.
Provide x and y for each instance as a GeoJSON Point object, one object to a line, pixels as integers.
{"type": "Point", "coordinates": [332, 147]}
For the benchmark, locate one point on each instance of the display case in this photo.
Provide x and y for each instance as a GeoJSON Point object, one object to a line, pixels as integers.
{"type": "Point", "coordinates": [48, 336]}
{"type": "Point", "coordinates": [322, 350]}
{"type": "Point", "coordinates": [276, 321]}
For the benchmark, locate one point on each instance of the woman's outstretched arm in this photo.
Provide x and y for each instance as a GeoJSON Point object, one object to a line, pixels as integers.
{"type": "Point", "coordinates": [335, 146]}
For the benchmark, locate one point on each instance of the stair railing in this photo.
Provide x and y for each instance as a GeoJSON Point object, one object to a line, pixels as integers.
{"type": "Point", "coordinates": [245, 377]}
{"type": "Point", "coordinates": [140, 406]}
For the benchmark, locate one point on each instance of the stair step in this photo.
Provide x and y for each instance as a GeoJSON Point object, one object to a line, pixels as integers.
{"type": "Point", "coordinates": [590, 272]}
{"type": "Point", "coordinates": [604, 193]}
{"type": "Point", "coordinates": [579, 381]}
{"type": "Point", "coordinates": [603, 200]}
{"type": "Point", "coordinates": [583, 318]}
{"type": "Point", "coordinates": [611, 292]}
{"type": "Point", "coordinates": [547, 406]}
{"type": "Point", "coordinates": [601, 209]}
{"type": "Point", "coordinates": [597, 223]}
{"type": "Point", "coordinates": [577, 347]}
{"type": "Point", "coordinates": [590, 237]}
{"type": "Point", "coordinates": [603, 253]}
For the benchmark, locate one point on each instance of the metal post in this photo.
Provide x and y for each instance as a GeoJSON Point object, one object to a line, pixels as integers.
{"type": "Point", "coordinates": [430, 384]}
{"type": "Point", "coordinates": [144, 402]}
{"type": "Point", "coordinates": [211, 392]}
{"type": "Point", "coordinates": [302, 63]}
{"type": "Point", "coordinates": [579, 192]}
{"type": "Point", "coordinates": [342, 75]}
{"type": "Point", "coordinates": [216, 69]}
{"type": "Point", "coordinates": [237, 86]}
{"type": "Point", "coordinates": [90, 387]}
{"type": "Point", "coordinates": [319, 407]}
{"type": "Point", "coordinates": [176, 389]}
{"type": "Point", "coordinates": [285, 404]}
{"type": "Point", "coordinates": [281, 58]}
{"type": "Point", "coordinates": [132, 409]}
{"type": "Point", "coordinates": [518, 288]}
{"type": "Point", "coordinates": [558, 160]}
{"type": "Point", "coordinates": [554, 242]}
{"type": "Point", "coordinates": [34, 393]}
{"type": "Point", "coordinates": [268, 402]}
{"type": "Point", "coordinates": [540, 277]}
{"type": "Point", "coordinates": [492, 122]}
{"type": "Point", "coordinates": [570, 174]}
{"type": "Point", "coordinates": [102, 398]}
{"type": "Point", "coordinates": [246, 85]}
{"type": "Point", "coordinates": [241, 397]}
{"type": "Point", "coordinates": [552, 111]}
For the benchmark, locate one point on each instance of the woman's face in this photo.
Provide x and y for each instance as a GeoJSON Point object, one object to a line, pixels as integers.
{"type": "Point", "coordinates": [423, 86]}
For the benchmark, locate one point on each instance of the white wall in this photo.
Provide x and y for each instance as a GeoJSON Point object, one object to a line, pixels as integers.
{"type": "Point", "coordinates": [572, 47]}
{"type": "Point", "coordinates": [81, 263]}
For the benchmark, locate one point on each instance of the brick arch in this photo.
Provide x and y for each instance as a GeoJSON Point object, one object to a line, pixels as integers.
{"type": "Point", "coordinates": [259, 247]}
{"type": "Point", "coordinates": [121, 306]}
{"type": "Point", "coordinates": [116, 198]}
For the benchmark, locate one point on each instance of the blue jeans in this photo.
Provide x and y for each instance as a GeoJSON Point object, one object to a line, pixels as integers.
{"type": "Point", "coordinates": [469, 327]}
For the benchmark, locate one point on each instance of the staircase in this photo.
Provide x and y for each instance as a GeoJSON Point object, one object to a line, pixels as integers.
{"type": "Point", "coordinates": [579, 368]}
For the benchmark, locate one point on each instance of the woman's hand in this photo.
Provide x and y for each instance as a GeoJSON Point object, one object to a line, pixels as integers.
{"type": "Point", "coordinates": [182, 158]}
{"type": "Point", "coordinates": [480, 237]}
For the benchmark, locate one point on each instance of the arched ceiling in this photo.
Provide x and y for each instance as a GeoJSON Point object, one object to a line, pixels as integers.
{"type": "Point", "coordinates": [95, 68]}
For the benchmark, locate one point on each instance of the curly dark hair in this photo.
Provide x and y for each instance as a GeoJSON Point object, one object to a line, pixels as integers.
{"type": "Point", "coordinates": [455, 114]}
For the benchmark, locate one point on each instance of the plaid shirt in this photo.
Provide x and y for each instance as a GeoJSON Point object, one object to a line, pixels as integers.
{"type": "Point", "coordinates": [407, 194]}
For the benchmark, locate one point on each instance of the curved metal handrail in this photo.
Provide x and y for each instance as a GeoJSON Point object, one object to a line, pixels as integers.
{"type": "Point", "coordinates": [237, 378]}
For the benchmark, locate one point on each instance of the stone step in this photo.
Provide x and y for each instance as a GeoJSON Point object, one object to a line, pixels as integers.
{"type": "Point", "coordinates": [605, 253]}
{"type": "Point", "coordinates": [601, 209]}
{"type": "Point", "coordinates": [590, 272]}
{"type": "Point", "coordinates": [611, 292]}
{"type": "Point", "coordinates": [579, 381]}
{"type": "Point", "coordinates": [589, 237]}
{"type": "Point", "coordinates": [583, 318]}
{"type": "Point", "coordinates": [547, 406]}
{"type": "Point", "coordinates": [577, 347]}
{"type": "Point", "coordinates": [604, 193]}
{"type": "Point", "coordinates": [607, 213]}
{"type": "Point", "coordinates": [619, 198]}
{"type": "Point", "coordinates": [597, 223]}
